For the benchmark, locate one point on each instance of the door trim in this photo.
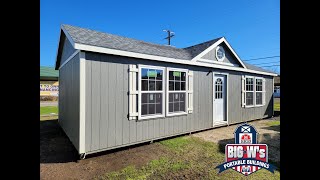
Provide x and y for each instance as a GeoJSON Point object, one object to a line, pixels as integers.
{"type": "Point", "coordinates": [227, 100]}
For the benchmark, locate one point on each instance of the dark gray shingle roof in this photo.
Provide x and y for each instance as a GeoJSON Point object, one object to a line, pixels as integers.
{"type": "Point", "coordinates": [100, 39]}
{"type": "Point", "coordinates": [256, 68]}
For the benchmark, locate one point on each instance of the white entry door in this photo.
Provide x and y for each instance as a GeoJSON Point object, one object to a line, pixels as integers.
{"type": "Point", "coordinates": [220, 95]}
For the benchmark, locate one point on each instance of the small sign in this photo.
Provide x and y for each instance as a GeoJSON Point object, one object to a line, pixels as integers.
{"type": "Point", "coordinates": [152, 74]}
{"type": "Point", "coordinates": [177, 73]}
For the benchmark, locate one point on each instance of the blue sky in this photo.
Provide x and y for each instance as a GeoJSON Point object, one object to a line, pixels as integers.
{"type": "Point", "coordinates": [251, 27]}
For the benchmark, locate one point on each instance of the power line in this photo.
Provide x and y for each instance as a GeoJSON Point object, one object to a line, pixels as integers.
{"type": "Point", "coordinates": [271, 65]}
{"type": "Point", "coordinates": [266, 63]}
{"type": "Point", "coordinates": [261, 58]}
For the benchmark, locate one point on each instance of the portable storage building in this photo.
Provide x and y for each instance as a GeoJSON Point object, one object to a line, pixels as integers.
{"type": "Point", "coordinates": [117, 91]}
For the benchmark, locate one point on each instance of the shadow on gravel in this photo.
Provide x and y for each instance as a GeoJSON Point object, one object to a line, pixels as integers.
{"type": "Point", "coordinates": [55, 147]}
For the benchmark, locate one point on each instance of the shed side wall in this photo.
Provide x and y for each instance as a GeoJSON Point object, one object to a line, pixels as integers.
{"type": "Point", "coordinates": [107, 124]}
{"type": "Point", "coordinates": [69, 99]}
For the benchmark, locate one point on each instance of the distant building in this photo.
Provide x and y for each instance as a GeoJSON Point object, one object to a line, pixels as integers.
{"type": "Point", "coordinates": [276, 90]}
{"type": "Point", "coordinates": [49, 84]}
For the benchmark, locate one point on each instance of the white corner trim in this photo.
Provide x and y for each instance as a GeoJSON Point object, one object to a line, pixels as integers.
{"type": "Point", "coordinates": [216, 62]}
{"type": "Point", "coordinates": [69, 58]}
{"type": "Point", "coordinates": [215, 45]}
{"type": "Point", "coordinates": [164, 59]}
{"type": "Point", "coordinates": [82, 108]}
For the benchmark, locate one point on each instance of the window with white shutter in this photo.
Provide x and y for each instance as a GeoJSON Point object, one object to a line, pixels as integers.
{"type": "Point", "coordinates": [252, 91]}
{"type": "Point", "coordinates": [133, 92]}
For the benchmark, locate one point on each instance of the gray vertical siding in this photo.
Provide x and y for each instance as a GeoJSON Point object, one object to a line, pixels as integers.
{"type": "Point", "coordinates": [69, 80]}
{"type": "Point", "coordinates": [67, 50]}
{"type": "Point", "coordinates": [239, 114]}
{"type": "Point", "coordinates": [211, 55]}
{"type": "Point", "coordinates": [107, 124]}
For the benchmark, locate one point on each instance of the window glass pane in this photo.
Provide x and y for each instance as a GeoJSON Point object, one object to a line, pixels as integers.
{"type": "Point", "coordinates": [159, 108]}
{"type": "Point", "coordinates": [152, 109]}
{"type": "Point", "coordinates": [158, 98]}
{"type": "Point", "coordinates": [159, 74]}
{"type": "Point", "coordinates": [171, 75]}
{"type": "Point", "coordinates": [144, 73]}
{"type": "Point", "coordinates": [152, 86]}
{"type": "Point", "coordinates": [177, 86]}
{"type": "Point", "coordinates": [170, 107]}
{"type": "Point", "coordinates": [249, 98]}
{"type": "Point", "coordinates": [144, 97]}
{"type": "Point", "coordinates": [152, 74]}
{"type": "Point", "coordinates": [171, 85]}
{"type": "Point", "coordinates": [176, 106]}
{"type": "Point", "coordinates": [144, 85]}
{"type": "Point", "coordinates": [182, 97]}
{"type": "Point", "coordinates": [152, 98]}
{"type": "Point", "coordinates": [259, 98]}
{"type": "Point", "coordinates": [183, 76]}
{"type": "Point", "coordinates": [158, 85]}
{"type": "Point", "coordinates": [183, 86]}
{"type": "Point", "coordinates": [177, 75]}
{"type": "Point", "coordinates": [144, 109]}
{"type": "Point", "coordinates": [176, 97]}
{"type": "Point", "coordinates": [182, 106]}
{"type": "Point", "coordinates": [171, 97]}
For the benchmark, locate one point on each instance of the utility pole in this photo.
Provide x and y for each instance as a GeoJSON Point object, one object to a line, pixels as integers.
{"type": "Point", "coordinates": [170, 35]}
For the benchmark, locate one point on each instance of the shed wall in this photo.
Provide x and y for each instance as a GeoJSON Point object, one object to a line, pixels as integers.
{"type": "Point", "coordinates": [69, 99]}
{"type": "Point", "coordinates": [107, 124]}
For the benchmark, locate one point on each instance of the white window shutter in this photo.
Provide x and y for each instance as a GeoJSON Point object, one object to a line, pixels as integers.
{"type": "Point", "coordinates": [190, 91]}
{"type": "Point", "coordinates": [243, 93]}
{"type": "Point", "coordinates": [263, 91]}
{"type": "Point", "coordinates": [133, 92]}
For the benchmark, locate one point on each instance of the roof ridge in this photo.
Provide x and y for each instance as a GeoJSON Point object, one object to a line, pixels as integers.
{"type": "Point", "coordinates": [203, 42]}
{"type": "Point", "coordinates": [124, 37]}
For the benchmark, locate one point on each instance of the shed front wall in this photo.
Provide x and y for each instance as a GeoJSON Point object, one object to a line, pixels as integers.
{"type": "Point", "coordinates": [69, 79]}
{"type": "Point", "coordinates": [106, 92]}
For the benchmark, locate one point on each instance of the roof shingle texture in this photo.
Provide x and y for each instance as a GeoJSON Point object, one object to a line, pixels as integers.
{"type": "Point", "coordinates": [100, 39]}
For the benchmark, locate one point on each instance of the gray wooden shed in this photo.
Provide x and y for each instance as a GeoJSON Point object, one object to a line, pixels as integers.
{"type": "Point", "coordinates": [116, 91]}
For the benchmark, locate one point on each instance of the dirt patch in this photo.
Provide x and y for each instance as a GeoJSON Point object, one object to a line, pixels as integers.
{"type": "Point", "coordinates": [268, 134]}
{"type": "Point", "coordinates": [58, 157]}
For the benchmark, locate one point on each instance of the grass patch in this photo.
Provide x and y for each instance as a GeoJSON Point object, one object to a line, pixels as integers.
{"type": "Point", "coordinates": [277, 106]}
{"type": "Point", "coordinates": [189, 158]}
{"type": "Point", "coordinates": [155, 168]}
{"type": "Point", "coordinates": [48, 110]}
{"type": "Point", "coordinates": [273, 123]}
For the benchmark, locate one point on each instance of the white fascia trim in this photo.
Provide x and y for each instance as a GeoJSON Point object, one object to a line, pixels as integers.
{"type": "Point", "coordinates": [215, 45]}
{"type": "Point", "coordinates": [69, 58]}
{"type": "Point", "coordinates": [207, 50]}
{"type": "Point", "coordinates": [82, 106]}
{"type": "Point", "coordinates": [69, 38]}
{"type": "Point", "coordinates": [164, 59]}
{"type": "Point", "coordinates": [217, 62]}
